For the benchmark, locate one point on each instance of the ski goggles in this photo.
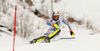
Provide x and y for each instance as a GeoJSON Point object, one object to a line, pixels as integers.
{"type": "Point", "coordinates": [55, 15]}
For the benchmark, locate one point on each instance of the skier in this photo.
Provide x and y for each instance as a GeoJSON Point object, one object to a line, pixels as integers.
{"type": "Point", "coordinates": [54, 30]}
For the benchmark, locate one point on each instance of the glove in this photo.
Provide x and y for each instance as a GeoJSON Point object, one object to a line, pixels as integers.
{"type": "Point", "coordinates": [72, 33]}
{"type": "Point", "coordinates": [39, 15]}
{"type": "Point", "coordinates": [52, 25]}
{"type": "Point", "coordinates": [55, 25]}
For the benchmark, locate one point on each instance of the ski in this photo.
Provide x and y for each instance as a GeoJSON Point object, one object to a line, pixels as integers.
{"type": "Point", "coordinates": [68, 38]}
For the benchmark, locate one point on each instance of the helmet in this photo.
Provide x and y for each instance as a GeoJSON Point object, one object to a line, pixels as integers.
{"type": "Point", "coordinates": [55, 12]}
{"type": "Point", "coordinates": [55, 15]}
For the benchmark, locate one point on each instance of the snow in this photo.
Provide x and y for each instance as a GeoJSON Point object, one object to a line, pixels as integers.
{"type": "Point", "coordinates": [82, 42]}
{"type": "Point", "coordinates": [86, 39]}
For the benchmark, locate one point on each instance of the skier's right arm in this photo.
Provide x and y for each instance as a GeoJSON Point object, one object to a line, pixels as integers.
{"type": "Point", "coordinates": [50, 20]}
{"type": "Point", "coordinates": [48, 23]}
{"type": "Point", "coordinates": [53, 25]}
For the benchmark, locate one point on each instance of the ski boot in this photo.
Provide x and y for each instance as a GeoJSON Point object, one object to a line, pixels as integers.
{"type": "Point", "coordinates": [33, 41]}
{"type": "Point", "coordinates": [47, 40]}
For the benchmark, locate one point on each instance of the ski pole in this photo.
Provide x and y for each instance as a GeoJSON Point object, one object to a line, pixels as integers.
{"type": "Point", "coordinates": [43, 18]}
{"type": "Point", "coordinates": [55, 25]}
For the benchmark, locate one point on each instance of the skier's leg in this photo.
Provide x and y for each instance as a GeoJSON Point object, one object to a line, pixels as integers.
{"type": "Point", "coordinates": [47, 36]}
{"type": "Point", "coordinates": [42, 37]}
{"type": "Point", "coordinates": [50, 31]}
{"type": "Point", "coordinates": [37, 39]}
{"type": "Point", "coordinates": [54, 34]}
{"type": "Point", "coordinates": [51, 34]}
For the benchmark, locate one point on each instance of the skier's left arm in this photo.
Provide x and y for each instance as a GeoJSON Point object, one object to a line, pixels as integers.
{"type": "Point", "coordinates": [71, 31]}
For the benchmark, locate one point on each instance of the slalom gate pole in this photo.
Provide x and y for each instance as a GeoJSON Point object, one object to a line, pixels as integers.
{"type": "Point", "coordinates": [14, 28]}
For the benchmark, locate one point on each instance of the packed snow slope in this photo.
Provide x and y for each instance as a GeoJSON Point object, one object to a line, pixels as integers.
{"type": "Point", "coordinates": [82, 42]}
